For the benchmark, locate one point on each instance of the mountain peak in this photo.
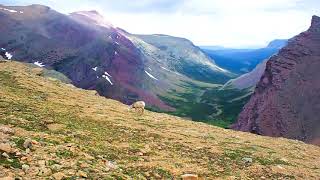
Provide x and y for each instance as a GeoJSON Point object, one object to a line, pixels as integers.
{"type": "Point", "coordinates": [92, 16]}
{"type": "Point", "coordinates": [315, 22]}
{"type": "Point", "coordinates": [40, 7]}
{"type": "Point", "coordinates": [89, 13]}
{"type": "Point", "coordinates": [94, 12]}
{"type": "Point", "coordinates": [277, 43]}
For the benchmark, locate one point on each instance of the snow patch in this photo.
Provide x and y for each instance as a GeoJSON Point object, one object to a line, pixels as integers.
{"type": "Point", "coordinates": [150, 75]}
{"type": "Point", "coordinates": [150, 69]}
{"type": "Point", "coordinates": [115, 53]}
{"type": "Point", "coordinates": [3, 49]}
{"type": "Point", "coordinates": [106, 73]}
{"type": "Point", "coordinates": [40, 64]}
{"type": "Point", "coordinates": [117, 43]}
{"type": "Point", "coordinates": [21, 12]}
{"type": "Point", "coordinates": [107, 78]}
{"type": "Point", "coordinates": [165, 68]}
{"type": "Point", "coordinates": [8, 55]}
{"type": "Point", "coordinates": [177, 74]}
{"type": "Point", "coordinates": [95, 68]}
{"type": "Point", "coordinates": [9, 10]}
{"type": "Point", "coordinates": [220, 69]}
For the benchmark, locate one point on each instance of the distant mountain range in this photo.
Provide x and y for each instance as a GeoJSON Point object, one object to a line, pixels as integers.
{"type": "Point", "coordinates": [248, 80]}
{"type": "Point", "coordinates": [94, 54]}
{"type": "Point", "coordinates": [241, 61]}
{"type": "Point", "coordinates": [286, 100]}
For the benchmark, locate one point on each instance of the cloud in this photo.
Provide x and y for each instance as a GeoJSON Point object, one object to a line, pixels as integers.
{"type": "Point", "coordinates": [127, 6]}
{"type": "Point", "coordinates": [230, 23]}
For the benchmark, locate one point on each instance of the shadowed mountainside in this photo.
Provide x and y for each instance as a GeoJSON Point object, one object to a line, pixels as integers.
{"type": "Point", "coordinates": [286, 100]}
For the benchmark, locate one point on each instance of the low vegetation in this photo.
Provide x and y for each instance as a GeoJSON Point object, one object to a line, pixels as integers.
{"type": "Point", "coordinates": [211, 105]}
{"type": "Point", "coordinates": [77, 134]}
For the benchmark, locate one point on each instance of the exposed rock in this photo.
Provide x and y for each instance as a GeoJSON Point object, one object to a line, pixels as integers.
{"type": "Point", "coordinates": [82, 174]}
{"type": "Point", "coordinates": [6, 129]}
{"type": "Point", "coordinates": [18, 153]}
{"type": "Point", "coordinates": [5, 147]}
{"type": "Point", "coordinates": [87, 156]}
{"type": "Point", "coordinates": [7, 178]}
{"type": "Point", "coordinates": [34, 142]}
{"type": "Point", "coordinates": [25, 167]}
{"type": "Point", "coordinates": [4, 138]}
{"type": "Point", "coordinates": [110, 165]}
{"type": "Point", "coordinates": [139, 154]}
{"type": "Point", "coordinates": [42, 163]}
{"type": "Point", "coordinates": [5, 155]}
{"type": "Point", "coordinates": [27, 143]}
{"type": "Point", "coordinates": [189, 177]}
{"type": "Point", "coordinates": [58, 176]}
{"type": "Point", "coordinates": [43, 171]}
{"type": "Point", "coordinates": [56, 167]}
{"type": "Point", "coordinates": [247, 160]}
{"type": "Point", "coordinates": [286, 100]}
{"type": "Point", "coordinates": [28, 151]}
{"type": "Point", "coordinates": [33, 171]}
{"type": "Point", "coordinates": [84, 165]}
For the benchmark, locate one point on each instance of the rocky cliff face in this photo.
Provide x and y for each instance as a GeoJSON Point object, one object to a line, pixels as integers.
{"type": "Point", "coordinates": [286, 101]}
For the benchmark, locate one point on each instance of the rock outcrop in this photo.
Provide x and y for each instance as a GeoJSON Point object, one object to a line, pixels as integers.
{"type": "Point", "coordinates": [286, 101]}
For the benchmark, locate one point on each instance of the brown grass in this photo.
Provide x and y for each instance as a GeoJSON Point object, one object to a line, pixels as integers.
{"type": "Point", "coordinates": [152, 146]}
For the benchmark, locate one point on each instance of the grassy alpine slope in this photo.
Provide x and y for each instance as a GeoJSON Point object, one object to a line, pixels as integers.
{"type": "Point", "coordinates": [78, 134]}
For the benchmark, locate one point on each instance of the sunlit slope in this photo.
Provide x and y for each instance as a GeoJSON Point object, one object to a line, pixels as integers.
{"type": "Point", "coordinates": [77, 133]}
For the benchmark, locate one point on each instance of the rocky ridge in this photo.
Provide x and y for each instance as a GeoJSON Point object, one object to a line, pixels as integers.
{"type": "Point", "coordinates": [286, 100]}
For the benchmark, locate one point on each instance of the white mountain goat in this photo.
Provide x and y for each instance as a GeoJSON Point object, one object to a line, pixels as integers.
{"type": "Point", "coordinates": [139, 105]}
{"type": "Point", "coordinates": [5, 55]}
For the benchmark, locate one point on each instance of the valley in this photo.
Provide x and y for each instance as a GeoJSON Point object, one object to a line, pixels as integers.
{"type": "Point", "coordinates": [167, 72]}
{"type": "Point", "coordinates": [242, 61]}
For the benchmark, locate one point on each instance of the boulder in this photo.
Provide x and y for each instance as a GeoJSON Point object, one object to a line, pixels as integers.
{"type": "Point", "coordinates": [189, 177]}
{"type": "Point", "coordinates": [5, 147]}
{"type": "Point", "coordinates": [58, 176]}
{"type": "Point", "coordinates": [27, 143]}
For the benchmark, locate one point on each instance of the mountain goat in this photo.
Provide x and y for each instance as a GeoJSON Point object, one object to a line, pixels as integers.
{"type": "Point", "coordinates": [139, 105]}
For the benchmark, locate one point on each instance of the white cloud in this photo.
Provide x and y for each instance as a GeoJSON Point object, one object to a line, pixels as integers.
{"type": "Point", "coordinates": [230, 23]}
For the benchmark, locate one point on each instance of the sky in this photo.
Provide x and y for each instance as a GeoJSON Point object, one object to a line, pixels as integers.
{"type": "Point", "coordinates": [228, 23]}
